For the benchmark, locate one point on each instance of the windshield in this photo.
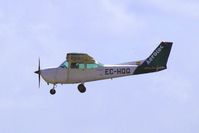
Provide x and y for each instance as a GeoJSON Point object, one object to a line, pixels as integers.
{"type": "Point", "coordinates": [64, 64]}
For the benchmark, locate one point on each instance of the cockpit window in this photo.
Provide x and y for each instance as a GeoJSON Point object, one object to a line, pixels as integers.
{"type": "Point", "coordinates": [64, 64]}
{"type": "Point", "coordinates": [77, 66]}
{"type": "Point", "coordinates": [94, 65]}
{"type": "Point", "coordinates": [91, 66]}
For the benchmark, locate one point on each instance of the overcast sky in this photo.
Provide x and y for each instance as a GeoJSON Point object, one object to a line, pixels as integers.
{"type": "Point", "coordinates": [112, 31]}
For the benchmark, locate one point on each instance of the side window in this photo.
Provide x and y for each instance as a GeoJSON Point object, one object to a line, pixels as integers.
{"type": "Point", "coordinates": [91, 66]}
{"type": "Point", "coordinates": [77, 66]}
{"type": "Point", "coordinates": [74, 65]}
{"type": "Point", "coordinates": [81, 66]}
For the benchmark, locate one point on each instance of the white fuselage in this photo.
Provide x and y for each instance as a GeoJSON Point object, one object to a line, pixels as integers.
{"type": "Point", "coordinates": [70, 76]}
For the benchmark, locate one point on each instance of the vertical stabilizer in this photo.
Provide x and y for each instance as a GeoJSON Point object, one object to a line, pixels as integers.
{"type": "Point", "coordinates": [157, 61]}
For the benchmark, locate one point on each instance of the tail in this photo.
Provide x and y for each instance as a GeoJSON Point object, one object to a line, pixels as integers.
{"type": "Point", "coordinates": [157, 61]}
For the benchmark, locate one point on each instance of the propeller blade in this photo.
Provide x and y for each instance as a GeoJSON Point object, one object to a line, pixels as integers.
{"type": "Point", "coordinates": [39, 80]}
{"type": "Point", "coordinates": [39, 65]}
{"type": "Point", "coordinates": [39, 73]}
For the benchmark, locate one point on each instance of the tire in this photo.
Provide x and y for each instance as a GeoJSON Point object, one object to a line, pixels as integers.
{"type": "Point", "coordinates": [52, 91]}
{"type": "Point", "coordinates": [81, 88]}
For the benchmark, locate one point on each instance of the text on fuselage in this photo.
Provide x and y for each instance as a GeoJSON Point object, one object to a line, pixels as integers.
{"type": "Point", "coordinates": [118, 71]}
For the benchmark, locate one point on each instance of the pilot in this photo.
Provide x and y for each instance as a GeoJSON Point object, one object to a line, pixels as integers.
{"type": "Point", "coordinates": [74, 65]}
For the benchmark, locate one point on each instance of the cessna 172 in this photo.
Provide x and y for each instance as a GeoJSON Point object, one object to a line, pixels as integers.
{"type": "Point", "coordinates": [81, 68]}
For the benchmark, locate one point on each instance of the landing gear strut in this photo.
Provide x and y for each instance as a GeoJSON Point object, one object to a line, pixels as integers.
{"type": "Point", "coordinates": [53, 91]}
{"type": "Point", "coordinates": [81, 88]}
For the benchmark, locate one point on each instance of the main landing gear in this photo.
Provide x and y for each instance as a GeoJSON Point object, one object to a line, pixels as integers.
{"type": "Point", "coordinates": [81, 88]}
{"type": "Point", "coordinates": [53, 91]}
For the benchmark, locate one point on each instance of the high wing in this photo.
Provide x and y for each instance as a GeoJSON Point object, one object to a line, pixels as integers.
{"type": "Point", "coordinates": [80, 58]}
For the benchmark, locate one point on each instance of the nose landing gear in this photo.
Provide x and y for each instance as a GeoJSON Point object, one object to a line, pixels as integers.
{"type": "Point", "coordinates": [53, 91]}
{"type": "Point", "coordinates": [81, 88]}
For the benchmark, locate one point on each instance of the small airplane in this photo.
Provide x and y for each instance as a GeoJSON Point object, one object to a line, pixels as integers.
{"type": "Point", "coordinates": [79, 68]}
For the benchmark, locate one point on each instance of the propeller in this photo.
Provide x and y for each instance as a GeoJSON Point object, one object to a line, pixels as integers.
{"type": "Point", "coordinates": [39, 73]}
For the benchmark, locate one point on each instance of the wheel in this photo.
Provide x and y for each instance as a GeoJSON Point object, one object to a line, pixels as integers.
{"type": "Point", "coordinates": [81, 88]}
{"type": "Point", "coordinates": [52, 91]}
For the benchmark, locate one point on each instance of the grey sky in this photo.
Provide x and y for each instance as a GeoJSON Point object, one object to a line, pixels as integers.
{"type": "Point", "coordinates": [112, 31]}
